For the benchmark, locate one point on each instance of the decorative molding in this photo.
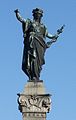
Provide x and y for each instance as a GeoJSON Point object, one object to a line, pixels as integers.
{"type": "Point", "coordinates": [34, 103]}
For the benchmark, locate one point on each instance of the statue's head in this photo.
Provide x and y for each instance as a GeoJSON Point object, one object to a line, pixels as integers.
{"type": "Point", "coordinates": [37, 13]}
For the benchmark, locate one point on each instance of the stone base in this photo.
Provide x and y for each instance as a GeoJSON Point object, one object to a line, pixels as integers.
{"type": "Point", "coordinates": [32, 88]}
{"type": "Point", "coordinates": [33, 102]}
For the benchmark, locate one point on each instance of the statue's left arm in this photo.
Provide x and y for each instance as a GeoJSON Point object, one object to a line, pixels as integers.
{"type": "Point", "coordinates": [54, 37]}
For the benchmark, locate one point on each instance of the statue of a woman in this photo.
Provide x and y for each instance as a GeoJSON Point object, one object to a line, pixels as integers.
{"type": "Point", "coordinates": [34, 33]}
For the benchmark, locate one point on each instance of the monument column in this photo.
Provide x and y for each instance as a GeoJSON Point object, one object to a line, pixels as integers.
{"type": "Point", "coordinates": [34, 102]}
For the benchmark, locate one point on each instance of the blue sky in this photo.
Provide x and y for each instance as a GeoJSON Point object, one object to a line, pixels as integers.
{"type": "Point", "coordinates": [59, 72]}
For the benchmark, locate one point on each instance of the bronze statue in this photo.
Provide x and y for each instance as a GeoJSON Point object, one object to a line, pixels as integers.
{"type": "Point", "coordinates": [35, 33]}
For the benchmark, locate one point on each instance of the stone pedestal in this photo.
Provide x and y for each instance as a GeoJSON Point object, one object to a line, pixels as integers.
{"type": "Point", "coordinates": [33, 102]}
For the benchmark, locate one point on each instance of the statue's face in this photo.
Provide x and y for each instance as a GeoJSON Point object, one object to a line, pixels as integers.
{"type": "Point", "coordinates": [37, 16]}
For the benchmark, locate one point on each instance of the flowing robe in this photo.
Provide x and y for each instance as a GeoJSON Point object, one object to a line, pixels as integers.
{"type": "Point", "coordinates": [34, 48]}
